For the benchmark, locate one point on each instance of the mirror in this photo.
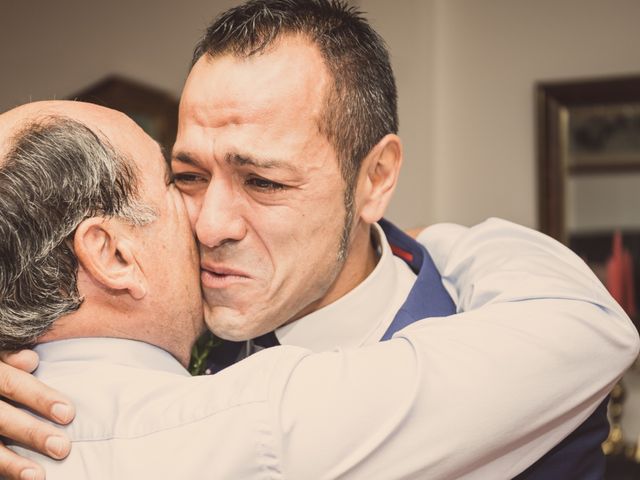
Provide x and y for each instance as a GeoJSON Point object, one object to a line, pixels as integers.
{"type": "Point", "coordinates": [589, 198]}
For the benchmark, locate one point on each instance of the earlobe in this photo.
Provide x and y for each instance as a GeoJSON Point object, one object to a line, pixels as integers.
{"type": "Point", "coordinates": [381, 169]}
{"type": "Point", "coordinates": [108, 257]}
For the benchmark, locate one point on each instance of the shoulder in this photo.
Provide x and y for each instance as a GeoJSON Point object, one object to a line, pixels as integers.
{"type": "Point", "coordinates": [491, 240]}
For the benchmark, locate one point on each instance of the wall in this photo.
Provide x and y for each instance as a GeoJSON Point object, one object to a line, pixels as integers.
{"type": "Point", "coordinates": [409, 29]}
{"type": "Point", "coordinates": [466, 81]}
{"type": "Point", "coordinates": [51, 49]}
{"type": "Point", "coordinates": [490, 54]}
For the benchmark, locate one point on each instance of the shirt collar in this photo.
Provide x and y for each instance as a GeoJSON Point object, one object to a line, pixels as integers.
{"type": "Point", "coordinates": [110, 350]}
{"type": "Point", "coordinates": [351, 320]}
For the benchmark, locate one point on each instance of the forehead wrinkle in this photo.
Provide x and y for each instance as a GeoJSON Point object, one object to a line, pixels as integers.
{"type": "Point", "coordinates": [292, 63]}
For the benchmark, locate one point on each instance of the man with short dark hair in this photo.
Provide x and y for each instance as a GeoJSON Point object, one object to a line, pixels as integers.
{"type": "Point", "coordinates": [297, 101]}
{"type": "Point", "coordinates": [287, 156]}
{"type": "Point", "coordinates": [120, 344]}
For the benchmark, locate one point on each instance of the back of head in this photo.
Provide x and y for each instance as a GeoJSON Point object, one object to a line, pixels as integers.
{"type": "Point", "coordinates": [361, 108]}
{"type": "Point", "coordinates": [55, 173]}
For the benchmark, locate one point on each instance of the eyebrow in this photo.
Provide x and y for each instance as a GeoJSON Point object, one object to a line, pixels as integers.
{"type": "Point", "coordinates": [238, 160]}
{"type": "Point", "coordinates": [243, 160]}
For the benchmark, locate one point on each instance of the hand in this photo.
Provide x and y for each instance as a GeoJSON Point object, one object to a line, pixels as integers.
{"type": "Point", "coordinates": [18, 385]}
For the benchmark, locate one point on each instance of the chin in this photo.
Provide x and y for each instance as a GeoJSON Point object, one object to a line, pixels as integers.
{"type": "Point", "coordinates": [232, 326]}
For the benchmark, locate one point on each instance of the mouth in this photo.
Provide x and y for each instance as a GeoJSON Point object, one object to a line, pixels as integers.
{"type": "Point", "coordinates": [218, 276]}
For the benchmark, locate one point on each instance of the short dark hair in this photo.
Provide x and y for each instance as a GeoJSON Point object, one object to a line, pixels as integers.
{"type": "Point", "coordinates": [57, 172]}
{"type": "Point", "coordinates": [361, 106]}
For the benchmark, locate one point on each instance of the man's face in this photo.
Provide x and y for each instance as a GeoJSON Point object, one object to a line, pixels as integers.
{"type": "Point", "coordinates": [164, 249]}
{"type": "Point", "coordinates": [172, 256]}
{"type": "Point", "coordinates": [262, 187]}
{"type": "Point", "coordinates": [167, 249]}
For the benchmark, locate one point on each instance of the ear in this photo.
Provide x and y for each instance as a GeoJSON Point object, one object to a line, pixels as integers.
{"type": "Point", "coordinates": [379, 177]}
{"type": "Point", "coordinates": [108, 257]}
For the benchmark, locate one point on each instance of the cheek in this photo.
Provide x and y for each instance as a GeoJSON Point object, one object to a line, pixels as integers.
{"type": "Point", "coordinates": [305, 244]}
{"type": "Point", "coordinates": [302, 236]}
{"type": "Point", "coordinates": [278, 246]}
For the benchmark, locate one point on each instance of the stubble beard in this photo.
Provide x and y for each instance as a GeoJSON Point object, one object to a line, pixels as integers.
{"type": "Point", "coordinates": [345, 236]}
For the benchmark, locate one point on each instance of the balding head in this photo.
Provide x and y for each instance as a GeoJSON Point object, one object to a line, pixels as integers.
{"type": "Point", "coordinates": [109, 123]}
{"type": "Point", "coordinates": [79, 187]}
{"type": "Point", "coordinates": [56, 169]}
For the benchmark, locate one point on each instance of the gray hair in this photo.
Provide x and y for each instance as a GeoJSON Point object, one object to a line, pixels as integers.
{"type": "Point", "coordinates": [57, 173]}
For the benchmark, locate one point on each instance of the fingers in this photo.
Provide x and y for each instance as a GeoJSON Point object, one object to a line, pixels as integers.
{"type": "Point", "coordinates": [26, 360]}
{"type": "Point", "coordinates": [20, 386]}
{"type": "Point", "coordinates": [25, 429]}
{"type": "Point", "coordinates": [13, 467]}
{"type": "Point", "coordinates": [26, 390]}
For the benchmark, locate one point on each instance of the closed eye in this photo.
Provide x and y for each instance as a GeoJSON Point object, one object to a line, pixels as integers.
{"type": "Point", "coordinates": [189, 183]}
{"type": "Point", "coordinates": [262, 184]}
{"type": "Point", "coordinates": [187, 178]}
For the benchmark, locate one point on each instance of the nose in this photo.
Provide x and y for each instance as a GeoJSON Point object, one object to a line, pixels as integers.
{"type": "Point", "coordinates": [220, 219]}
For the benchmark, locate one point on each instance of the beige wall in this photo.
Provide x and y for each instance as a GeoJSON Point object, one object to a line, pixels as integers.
{"type": "Point", "coordinates": [409, 29]}
{"type": "Point", "coordinates": [491, 54]}
{"type": "Point", "coordinates": [55, 48]}
{"type": "Point", "coordinates": [465, 71]}
{"type": "Point", "coordinates": [472, 83]}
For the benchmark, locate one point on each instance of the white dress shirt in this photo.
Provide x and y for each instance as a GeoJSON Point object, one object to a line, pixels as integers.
{"type": "Point", "coordinates": [478, 395]}
{"type": "Point", "coordinates": [362, 316]}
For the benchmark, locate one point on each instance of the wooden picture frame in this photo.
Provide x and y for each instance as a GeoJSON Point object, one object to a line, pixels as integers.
{"type": "Point", "coordinates": [154, 110]}
{"type": "Point", "coordinates": [596, 101]}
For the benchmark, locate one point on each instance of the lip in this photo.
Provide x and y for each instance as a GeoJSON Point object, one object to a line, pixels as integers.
{"type": "Point", "coordinates": [221, 276]}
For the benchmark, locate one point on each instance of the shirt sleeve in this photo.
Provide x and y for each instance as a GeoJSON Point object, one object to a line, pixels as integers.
{"type": "Point", "coordinates": [536, 345]}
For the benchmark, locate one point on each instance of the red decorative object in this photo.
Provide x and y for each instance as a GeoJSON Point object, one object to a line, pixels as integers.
{"type": "Point", "coordinates": [620, 275]}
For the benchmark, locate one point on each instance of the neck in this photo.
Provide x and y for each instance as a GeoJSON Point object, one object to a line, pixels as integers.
{"type": "Point", "coordinates": [361, 260]}
{"type": "Point", "coordinates": [93, 320]}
